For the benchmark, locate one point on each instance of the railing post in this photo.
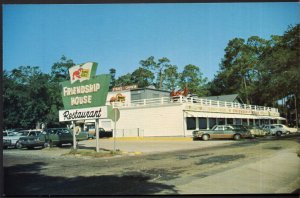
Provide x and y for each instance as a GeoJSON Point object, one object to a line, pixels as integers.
{"type": "Point", "coordinates": [180, 99]}
{"type": "Point", "coordinates": [218, 103]}
{"type": "Point", "coordinates": [162, 100]}
{"type": "Point", "coordinates": [144, 101]}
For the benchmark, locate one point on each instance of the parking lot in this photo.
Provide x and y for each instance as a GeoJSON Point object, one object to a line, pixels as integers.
{"type": "Point", "coordinates": [178, 167]}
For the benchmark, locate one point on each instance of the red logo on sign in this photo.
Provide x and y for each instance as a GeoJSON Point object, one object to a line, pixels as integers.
{"type": "Point", "coordinates": [77, 73]}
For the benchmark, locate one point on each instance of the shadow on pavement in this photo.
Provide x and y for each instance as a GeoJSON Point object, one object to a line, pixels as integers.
{"type": "Point", "coordinates": [28, 180]}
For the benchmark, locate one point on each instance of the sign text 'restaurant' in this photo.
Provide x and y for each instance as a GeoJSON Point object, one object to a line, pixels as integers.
{"type": "Point", "coordinates": [83, 114]}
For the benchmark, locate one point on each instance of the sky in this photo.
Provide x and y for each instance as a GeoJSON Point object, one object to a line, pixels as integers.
{"type": "Point", "coordinates": [120, 35]}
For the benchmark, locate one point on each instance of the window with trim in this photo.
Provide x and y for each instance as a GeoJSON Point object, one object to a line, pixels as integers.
{"type": "Point", "coordinates": [202, 123]}
{"type": "Point", "coordinates": [212, 122]}
{"type": "Point", "coordinates": [190, 123]}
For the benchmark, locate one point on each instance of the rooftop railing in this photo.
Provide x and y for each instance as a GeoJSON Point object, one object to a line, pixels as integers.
{"type": "Point", "coordinates": [191, 100]}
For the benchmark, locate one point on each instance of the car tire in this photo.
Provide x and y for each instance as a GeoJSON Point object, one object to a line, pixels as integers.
{"type": "Point", "coordinates": [18, 145]}
{"type": "Point", "coordinates": [278, 133]}
{"type": "Point", "coordinates": [205, 137]}
{"type": "Point", "coordinates": [237, 137]}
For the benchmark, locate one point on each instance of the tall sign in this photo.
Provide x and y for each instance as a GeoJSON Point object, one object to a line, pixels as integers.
{"type": "Point", "coordinates": [84, 95]}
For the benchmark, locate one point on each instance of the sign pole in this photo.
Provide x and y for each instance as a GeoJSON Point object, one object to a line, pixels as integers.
{"type": "Point", "coordinates": [74, 137]}
{"type": "Point", "coordinates": [115, 128]}
{"type": "Point", "coordinates": [97, 135]}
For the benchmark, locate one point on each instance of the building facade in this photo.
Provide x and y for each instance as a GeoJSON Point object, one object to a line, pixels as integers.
{"type": "Point", "coordinates": [150, 112]}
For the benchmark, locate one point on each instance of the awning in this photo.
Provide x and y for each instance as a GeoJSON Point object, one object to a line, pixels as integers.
{"type": "Point", "coordinates": [218, 115]}
{"type": "Point", "coordinates": [228, 115]}
{"type": "Point", "coordinates": [280, 118]}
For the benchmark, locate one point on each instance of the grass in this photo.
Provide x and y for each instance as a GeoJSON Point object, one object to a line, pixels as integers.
{"type": "Point", "coordinates": [93, 153]}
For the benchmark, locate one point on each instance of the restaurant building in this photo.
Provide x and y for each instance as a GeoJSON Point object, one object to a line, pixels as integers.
{"type": "Point", "coordinates": [146, 112]}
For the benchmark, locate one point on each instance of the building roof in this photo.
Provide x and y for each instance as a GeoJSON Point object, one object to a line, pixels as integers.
{"type": "Point", "coordinates": [225, 98]}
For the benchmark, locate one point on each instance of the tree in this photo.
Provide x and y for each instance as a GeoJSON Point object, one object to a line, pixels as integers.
{"type": "Point", "coordinates": [192, 78]}
{"type": "Point", "coordinates": [60, 69]}
{"type": "Point", "coordinates": [26, 98]}
{"type": "Point", "coordinates": [157, 68]}
{"type": "Point", "coordinates": [124, 80]}
{"type": "Point", "coordinates": [112, 72]}
{"type": "Point", "coordinates": [171, 78]}
{"type": "Point", "coordinates": [142, 77]}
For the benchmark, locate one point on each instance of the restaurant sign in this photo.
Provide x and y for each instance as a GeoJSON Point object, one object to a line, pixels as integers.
{"type": "Point", "coordinates": [84, 89]}
{"type": "Point", "coordinates": [83, 114]}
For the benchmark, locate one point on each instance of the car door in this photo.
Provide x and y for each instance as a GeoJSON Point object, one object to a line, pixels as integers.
{"type": "Point", "coordinates": [52, 136]}
{"type": "Point", "coordinates": [65, 136]}
{"type": "Point", "coordinates": [218, 132]}
{"type": "Point", "coordinates": [228, 132]}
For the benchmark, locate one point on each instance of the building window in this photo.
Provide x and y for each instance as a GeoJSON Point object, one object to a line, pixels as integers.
{"type": "Point", "coordinates": [251, 122]}
{"type": "Point", "coordinates": [229, 120]}
{"type": "Point", "coordinates": [221, 121]}
{"type": "Point", "coordinates": [244, 122]}
{"type": "Point", "coordinates": [190, 123]}
{"type": "Point", "coordinates": [202, 123]}
{"type": "Point", "coordinates": [238, 121]}
{"type": "Point", "coordinates": [256, 122]}
{"type": "Point", "coordinates": [212, 122]}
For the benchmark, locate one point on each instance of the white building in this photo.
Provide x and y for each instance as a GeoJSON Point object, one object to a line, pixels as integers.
{"type": "Point", "coordinates": [151, 112]}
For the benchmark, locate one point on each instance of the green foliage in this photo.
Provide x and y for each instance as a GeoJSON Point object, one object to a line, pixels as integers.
{"type": "Point", "coordinates": [192, 78]}
{"type": "Point", "coordinates": [124, 80]}
{"type": "Point", "coordinates": [112, 72]}
{"type": "Point", "coordinates": [60, 69]}
{"type": "Point", "coordinates": [261, 71]}
{"type": "Point", "coordinates": [156, 67]}
{"type": "Point", "coordinates": [142, 77]}
{"type": "Point", "coordinates": [32, 97]}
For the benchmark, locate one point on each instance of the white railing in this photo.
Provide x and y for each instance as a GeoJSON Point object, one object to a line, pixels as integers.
{"type": "Point", "coordinates": [193, 100]}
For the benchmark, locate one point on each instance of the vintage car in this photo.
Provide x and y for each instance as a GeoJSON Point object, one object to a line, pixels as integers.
{"type": "Point", "coordinates": [51, 137]}
{"type": "Point", "coordinates": [235, 132]}
{"type": "Point", "coordinates": [6, 143]}
{"type": "Point", "coordinates": [14, 137]}
{"type": "Point", "coordinates": [279, 129]}
{"type": "Point", "coordinates": [102, 133]}
{"type": "Point", "coordinates": [257, 131]}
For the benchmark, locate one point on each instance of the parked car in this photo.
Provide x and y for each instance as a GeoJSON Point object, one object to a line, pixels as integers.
{"type": "Point", "coordinates": [102, 133]}
{"type": "Point", "coordinates": [32, 141]}
{"type": "Point", "coordinates": [222, 131]}
{"type": "Point", "coordinates": [14, 137]}
{"type": "Point", "coordinates": [51, 137]}
{"type": "Point", "coordinates": [257, 131]}
{"type": "Point", "coordinates": [279, 129]}
{"type": "Point", "coordinates": [6, 143]}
